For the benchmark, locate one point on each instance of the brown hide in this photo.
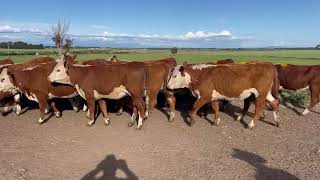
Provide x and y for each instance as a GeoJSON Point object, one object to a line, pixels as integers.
{"type": "Point", "coordinates": [105, 77]}
{"type": "Point", "coordinates": [6, 61]}
{"type": "Point", "coordinates": [230, 80]}
{"type": "Point", "coordinates": [34, 81]}
{"type": "Point", "coordinates": [295, 77]}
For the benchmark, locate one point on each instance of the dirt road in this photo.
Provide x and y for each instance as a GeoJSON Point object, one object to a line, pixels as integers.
{"type": "Point", "coordinates": [65, 148]}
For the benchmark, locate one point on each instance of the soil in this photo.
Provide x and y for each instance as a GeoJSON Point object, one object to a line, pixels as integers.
{"type": "Point", "coordinates": [65, 148]}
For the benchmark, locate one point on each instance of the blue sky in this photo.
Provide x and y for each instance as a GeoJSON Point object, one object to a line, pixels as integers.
{"type": "Point", "coordinates": [166, 23]}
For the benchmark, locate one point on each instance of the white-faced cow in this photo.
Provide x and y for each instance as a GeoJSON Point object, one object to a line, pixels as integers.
{"type": "Point", "coordinates": [112, 81]}
{"type": "Point", "coordinates": [228, 82]}
{"type": "Point", "coordinates": [7, 97]}
{"type": "Point", "coordinates": [32, 81]}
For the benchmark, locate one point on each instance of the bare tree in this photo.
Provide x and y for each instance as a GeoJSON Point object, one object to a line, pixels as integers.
{"type": "Point", "coordinates": [59, 32]}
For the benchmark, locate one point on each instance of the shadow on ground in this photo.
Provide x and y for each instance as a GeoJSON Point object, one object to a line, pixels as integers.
{"type": "Point", "coordinates": [107, 169]}
{"type": "Point", "coordinates": [263, 172]}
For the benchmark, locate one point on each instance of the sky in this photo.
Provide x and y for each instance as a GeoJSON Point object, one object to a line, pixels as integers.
{"type": "Point", "coordinates": [166, 23]}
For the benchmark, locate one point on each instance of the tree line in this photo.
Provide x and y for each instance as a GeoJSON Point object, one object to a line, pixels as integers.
{"type": "Point", "coordinates": [21, 45]}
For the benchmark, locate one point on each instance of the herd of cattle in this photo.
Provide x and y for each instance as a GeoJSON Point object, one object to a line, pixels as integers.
{"type": "Point", "coordinates": [43, 78]}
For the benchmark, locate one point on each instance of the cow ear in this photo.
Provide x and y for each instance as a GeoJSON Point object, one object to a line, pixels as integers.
{"type": "Point", "coordinates": [11, 76]}
{"type": "Point", "coordinates": [74, 56]}
{"type": "Point", "coordinates": [181, 69]}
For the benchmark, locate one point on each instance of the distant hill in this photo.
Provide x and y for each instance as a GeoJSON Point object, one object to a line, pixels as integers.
{"type": "Point", "coordinates": [21, 45]}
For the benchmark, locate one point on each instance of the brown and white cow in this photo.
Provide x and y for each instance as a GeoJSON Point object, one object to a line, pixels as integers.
{"type": "Point", "coordinates": [228, 82]}
{"type": "Point", "coordinates": [7, 97]}
{"type": "Point", "coordinates": [296, 77]}
{"type": "Point", "coordinates": [112, 81]}
{"type": "Point", "coordinates": [32, 81]}
{"type": "Point", "coordinates": [158, 71]}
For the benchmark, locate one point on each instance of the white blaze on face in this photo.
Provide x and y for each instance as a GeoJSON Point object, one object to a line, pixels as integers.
{"type": "Point", "coordinates": [176, 80]}
{"type": "Point", "coordinates": [59, 74]}
{"type": "Point", "coordinates": [5, 83]}
{"type": "Point", "coordinates": [245, 94]}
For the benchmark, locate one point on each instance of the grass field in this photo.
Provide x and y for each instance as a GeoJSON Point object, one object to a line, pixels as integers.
{"type": "Point", "coordinates": [194, 56]}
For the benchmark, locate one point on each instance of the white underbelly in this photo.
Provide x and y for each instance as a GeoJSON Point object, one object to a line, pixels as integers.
{"type": "Point", "coordinates": [68, 96]}
{"type": "Point", "coordinates": [32, 97]}
{"type": "Point", "coordinates": [245, 94]}
{"type": "Point", "coordinates": [117, 93]}
{"type": "Point", "coordinates": [80, 91]}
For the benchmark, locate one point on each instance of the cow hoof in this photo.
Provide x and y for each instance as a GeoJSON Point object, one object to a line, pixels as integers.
{"type": "Point", "coordinates": [76, 110]}
{"type": "Point", "coordinates": [40, 121]}
{"type": "Point", "coordinates": [90, 123]}
{"type": "Point", "coordinates": [139, 127]}
{"type": "Point", "coordinates": [58, 114]}
{"type": "Point", "coordinates": [217, 122]}
{"type": "Point", "coordinates": [192, 123]}
{"type": "Point", "coordinates": [278, 124]}
{"type": "Point", "coordinates": [171, 119]}
{"type": "Point", "coordinates": [119, 113]}
{"type": "Point", "coordinates": [130, 124]}
{"type": "Point", "coordinates": [106, 122]}
{"type": "Point", "coordinates": [239, 118]}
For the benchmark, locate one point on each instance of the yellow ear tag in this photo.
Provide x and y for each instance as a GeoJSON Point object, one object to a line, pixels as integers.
{"type": "Point", "coordinates": [283, 65]}
{"type": "Point", "coordinates": [242, 62]}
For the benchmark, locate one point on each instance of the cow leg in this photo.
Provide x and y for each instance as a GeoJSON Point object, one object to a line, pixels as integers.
{"type": "Point", "coordinates": [74, 103]}
{"type": "Point", "coordinates": [84, 108]}
{"type": "Point", "coordinates": [16, 104]}
{"type": "Point", "coordinates": [259, 106]}
{"type": "Point", "coordinates": [104, 110]}
{"type": "Point", "coordinates": [56, 112]}
{"type": "Point", "coordinates": [196, 106]}
{"type": "Point", "coordinates": [133, 116]}
{"type": "Point", "coordinates": [47, 109]}
{"type": "Point", "coordinates": [91, 106]}
{"type": "Point", "coordinates": [138, 102]}
{"type": "Point", "coordinates": [246, 106]}
{"type": "Point", "coordinates": [315, 93]}
{"type": "Point", "coordinates": [171, 100]}
{"type": "Point", "coordinates": [42, 105]}
{"type": "Point", "coordinates": [215, 107]}
{"type": "Point", "coordinates": [120, 104]}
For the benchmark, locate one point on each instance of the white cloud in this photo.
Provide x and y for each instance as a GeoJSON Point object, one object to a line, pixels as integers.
{"type": "Point", "coordinates": [5, 28]}
{"type": "Point", "coordinates": [95, 26]}
{"type": "Point", "coordinates": [223, 38]}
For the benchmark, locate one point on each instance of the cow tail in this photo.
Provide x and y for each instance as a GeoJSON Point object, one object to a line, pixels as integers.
{"type": "Point", "coordinates": [275, 85]}
{"type": "Point", "coordinates": [147, 90]}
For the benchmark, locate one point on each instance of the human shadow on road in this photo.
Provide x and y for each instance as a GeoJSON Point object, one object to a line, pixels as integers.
{"type": "Point", "coordinates": [263, 172]}
{"type": "Point", "coordinates": [107, 168]}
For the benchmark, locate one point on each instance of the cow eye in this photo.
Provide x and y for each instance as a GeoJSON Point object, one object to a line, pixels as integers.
{"type": "Point", "coordinates": [2, 80]}
{"type": "Point", "coordinates": [58, 70]}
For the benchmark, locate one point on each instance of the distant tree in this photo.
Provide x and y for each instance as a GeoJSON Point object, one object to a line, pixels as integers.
{"type": "Point", "coordinates": [318, 46]}
{"type": "Point", "coordinates": [59, 33]}
{"type": "Point", "coordinates": [174, 50]}
{"type": "Point", "coordinates": [67, 45]}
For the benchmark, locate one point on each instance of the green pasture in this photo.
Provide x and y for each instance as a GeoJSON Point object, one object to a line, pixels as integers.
{"type": "Point", "coordinates": [192, 56]}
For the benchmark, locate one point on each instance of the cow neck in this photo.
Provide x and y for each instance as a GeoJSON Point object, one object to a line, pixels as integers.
{"type": "Point", "coordinates": [194, 73]}
{"type": "Point", "coordinates": [20, 78]}
{"type": "Point", "coordinates": [75, 74]}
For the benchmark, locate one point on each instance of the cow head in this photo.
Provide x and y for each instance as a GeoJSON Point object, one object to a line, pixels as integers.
{"type": "Point", "coordinates": [179, 78]}
{"type": "Point", "coordinates": [6, 79]}
{"type": "Point", "coordinates": [60, 73]}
